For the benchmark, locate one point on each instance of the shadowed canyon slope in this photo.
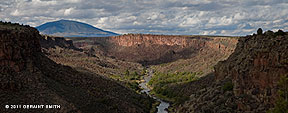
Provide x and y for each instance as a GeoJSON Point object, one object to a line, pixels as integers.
{"type": "Point", "coordinates": [255, 68]}
{"type": "Point", "coordinates": [248, 81]}
{"type": "Point", "coordinates": [28, 77]}
{"type": "Point", "coordinates": [63, 51]}
{"type": "Point", "coordinates": [156, 49]}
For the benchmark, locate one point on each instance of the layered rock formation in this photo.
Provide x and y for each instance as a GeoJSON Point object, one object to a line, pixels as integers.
{"type": "Point", "coordinates": [204, 60]}
{"type": "Point", "coordinates": [18, 47]}
{"type": "Point", "coordinates": [52, 42]}
{"type": "Point", "coordinates": [89, 58]}
{"type": "Point", "coordinates": [18, 50]}
{"type": "Point", "coordinates": [157, 49]}
{"type": "Point", "coordinates": [255, 68]}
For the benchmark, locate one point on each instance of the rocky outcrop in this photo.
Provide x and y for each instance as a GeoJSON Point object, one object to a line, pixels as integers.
{"type": "Point", "coordinates": [18, 47]}
{"type": "Point", "coordinates": [255, 68]}
{"type": "Point", "coordinates": [52, 42]}
{"type": "Point", "coordinates": [156, 49]}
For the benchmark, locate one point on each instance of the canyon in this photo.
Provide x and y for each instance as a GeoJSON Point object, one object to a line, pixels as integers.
{"type": "Point", "coordinates": [29, 77]}
{"type": "Point", "coordinates": [156, 49]}
{"type": "Point", "coordinates": [103, 74]}
{"type": "Point", "coordinates": [164, 53]}
{"type": "Point", "coordinates": [248, 81]}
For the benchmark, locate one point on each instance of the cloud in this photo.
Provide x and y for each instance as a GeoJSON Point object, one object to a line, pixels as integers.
{"type": "Point", "coordinates": [15, 13]}
{"type": "Point", "coordinates": [68, 11]}
{"type": "Point", "coordinates": [214, 17]}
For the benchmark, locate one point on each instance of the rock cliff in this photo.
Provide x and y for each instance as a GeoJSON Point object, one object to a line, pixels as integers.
{"type": "Point", "coordinates": [156, 49]}
{"type": "Point", "coordinates": [18, 50]}
{"type": "Point", "coordinates": [246, 82]}
{"type": "Point", "coordinates": [18, 47]}
{"type": "Point", "coordinates": [255, 67]}
{"type": "Point", "coordinates": [52, 42]}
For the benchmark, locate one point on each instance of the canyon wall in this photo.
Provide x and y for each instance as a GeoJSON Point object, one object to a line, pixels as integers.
{"type": "Point", "coordinates": [52, 42]}
{"type": "Point", "coordinates": [17, 47]}
{"type": "Point", "coordinates": [28, 77]}
{"type": "Point", "coordinates": [255, 68]}
{"type": "Point", "coordinates": [246, 82]}
{"type": "Point", "coordinates": [156, 49]}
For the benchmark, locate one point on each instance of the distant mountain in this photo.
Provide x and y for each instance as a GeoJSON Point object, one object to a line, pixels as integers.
{"type": "Point", "coordinates": [68, 28]}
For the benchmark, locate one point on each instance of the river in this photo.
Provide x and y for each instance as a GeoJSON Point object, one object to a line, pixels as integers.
{"type": "Point", "coordinates": [163, 105]}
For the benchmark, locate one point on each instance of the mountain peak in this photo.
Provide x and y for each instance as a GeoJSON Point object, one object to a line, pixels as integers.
{"type": "Point", "coordinates": [71, 28]}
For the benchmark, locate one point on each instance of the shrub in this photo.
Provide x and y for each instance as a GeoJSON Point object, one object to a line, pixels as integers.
{"type": "Point", "coordinates": [143, 72]}
{"type": "Point", "coordinates": [161, 84]}
{"type": "Point", "coordinates": [281, 105]}
{"type": "Point", "coordinates": [280, 32]}
{"type": "Point", "coordinates": [228, 86]}
{"type": "Point", "coordinates": [127, 73]}
{"type": "Point", "coordinates": [270, 33]}
{"type": "Point", "coordinates": [180, 100]}
{"type": "Point", "coordinates": [133, 85]}
{"type": "Point", "coordinates": [259, 31]}
{"type": "Point", "coordinates": [161, 79]}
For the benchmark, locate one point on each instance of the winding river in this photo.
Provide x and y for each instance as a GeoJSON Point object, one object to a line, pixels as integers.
{"type": "Point", "coordinates": [163, 105]}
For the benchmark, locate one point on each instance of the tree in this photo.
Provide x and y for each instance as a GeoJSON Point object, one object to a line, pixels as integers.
{"type": "Point", "coordinates": [269, 32]}
{"type": "Point", "coordinates": [281, 105]}
{"type": "Point", "coordinates": [127, 73]}
{"type": "Point", "coordinates": [135, 74]}
{"type": "Point", "coordinates": [259, 31]}
{"type": "Point", "coordinates": [280, 32]}
{"type": "Point", "coordinates": [143, 72]}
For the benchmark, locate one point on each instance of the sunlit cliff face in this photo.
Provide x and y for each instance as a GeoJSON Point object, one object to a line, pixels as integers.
{"type": "Point", "coordinates": [155, 49]}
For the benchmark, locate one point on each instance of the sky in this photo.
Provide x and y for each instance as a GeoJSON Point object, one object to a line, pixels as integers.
{"type": "Point", "coordinates": [175, 17]}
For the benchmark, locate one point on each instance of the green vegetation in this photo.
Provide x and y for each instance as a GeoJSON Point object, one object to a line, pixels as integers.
{"type": "Point", "coordinates": [162, 79]}
{"type": "Point", "coordinates": [281, 105]}
{"type": "Point", "coordinates": [133, 85]}
{"type": "Point", "coordinates": [129, 79]}
{"type": "Point", "coordinates": [161, 82]}
{"type": "Point", "coordinates": [143, 72]}
{"type": "Point", "coordinates": [228, 86]}
{"type": "Point", "coordinates": [154, 107]}
{"type": "Point", "coordinates": [127, 73]}
{"type": "Point", "coordinates": [131, 76]}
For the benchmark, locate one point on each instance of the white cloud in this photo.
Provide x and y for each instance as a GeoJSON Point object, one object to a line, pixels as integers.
{"type": "Point", "coordinates": [73, 1]}
{"type": "Point", "coordinates": [136, 23]}
{"type": "Point", "coordinates": [102, 20]}
{"type": "Point", "coordinates": [239, 16]}
{"type": "Point", "coordinates": [208, 32]}
{"type": "Point", "coordinates": [224, 17]}
{"type": "Point", "coordinates": [68, 11]}
{"type": "Point", "coordinates": [190, 22]}
{"type": "Point", "coordinates": [15, 13]}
